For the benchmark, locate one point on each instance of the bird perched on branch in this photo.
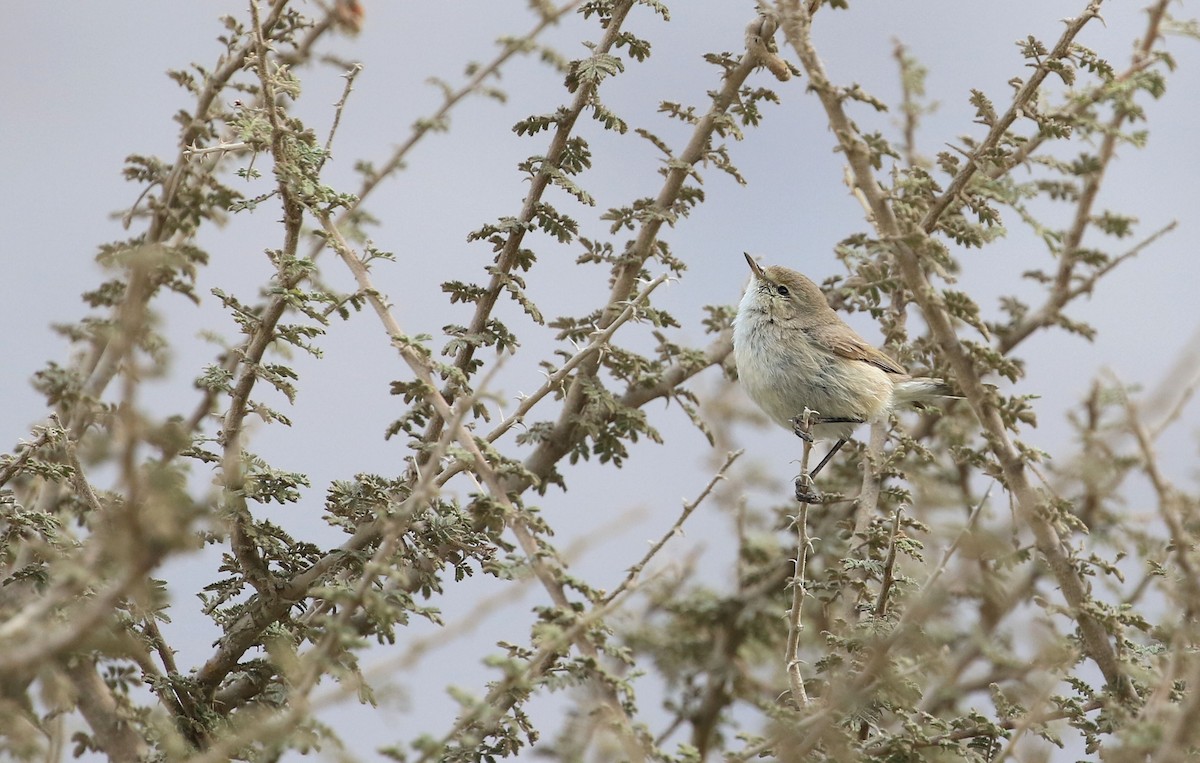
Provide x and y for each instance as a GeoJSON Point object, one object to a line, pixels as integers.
{"type": "Point", "coordinates": [794, 352]}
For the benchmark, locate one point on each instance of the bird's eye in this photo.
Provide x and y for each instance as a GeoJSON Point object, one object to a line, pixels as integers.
{"type": "Point", "coordinates": [782, 290]}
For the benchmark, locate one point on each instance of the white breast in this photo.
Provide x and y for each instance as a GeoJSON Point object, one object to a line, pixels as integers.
{"type": "Point", "coordinates": [784, 373]}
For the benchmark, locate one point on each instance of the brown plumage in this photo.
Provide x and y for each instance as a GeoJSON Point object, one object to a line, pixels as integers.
{"type": "Point", "coordinates": [793, 351]}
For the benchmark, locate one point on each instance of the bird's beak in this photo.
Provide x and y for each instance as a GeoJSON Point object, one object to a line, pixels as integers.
{"type": "Point", "coordinates": [754, 266]}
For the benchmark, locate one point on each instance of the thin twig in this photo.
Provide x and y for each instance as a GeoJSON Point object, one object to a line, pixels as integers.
{"type": "Point", "coordinates": [971, 732]}
{"type": "Point", "coordinates": [510, 252]}
{"type": "Point", "coordinates": [46, 433]}
{"type": "Point", "coordinates": [799, 589]}
{"type": "Point", "coordinates": [688, 508]}
{"type": "Point", "coordinates": [600, 340]}
{"type": "Point", "coordinates": [550, 579]}
{"type": "Point", "coordinates": [1062, 292]}
{"type": "Point", "coordinates": [626, 271]}
{"type": "Point", "coordinates": [999, 129]}
{"type": "Point", "coordinates": [1170, 507]}
{"type": "Point", "coordinates": [889, 568]}
{"type": "Point", "coordinates": [112, 728]}
{"type": "Point", "coordinates": [867, 504]}
{"type": "Point", "coordinates": [338, 107]}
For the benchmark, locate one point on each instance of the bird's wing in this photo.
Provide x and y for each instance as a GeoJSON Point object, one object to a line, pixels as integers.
{"type": "Point", "coordinates": [840, 340]}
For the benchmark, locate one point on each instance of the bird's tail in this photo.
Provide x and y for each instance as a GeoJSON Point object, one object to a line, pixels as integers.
{"type": "Point", "coordinates": [922, 389]}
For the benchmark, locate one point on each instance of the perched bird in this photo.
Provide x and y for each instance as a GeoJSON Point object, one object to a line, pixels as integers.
{"type": "Point", "coordinates": [794, 352]}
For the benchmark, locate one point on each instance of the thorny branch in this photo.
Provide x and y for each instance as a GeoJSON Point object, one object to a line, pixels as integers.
{"type": "Point", "coordinates": [625, 273]}
{"type": "Point", "coordinates": [226, 689]}
{"type": "Point", "coordinates": [798, 585]}
{"type": "Point", "coordinates": [544, 567]}
{"type": "Point", "coordinates": [797, 25]}
{"type": "Point", "coordinates": [635, 571]}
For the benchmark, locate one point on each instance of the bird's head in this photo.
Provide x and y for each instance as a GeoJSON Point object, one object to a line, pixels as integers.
{"type": "Point", "coordinates": [784, 294]}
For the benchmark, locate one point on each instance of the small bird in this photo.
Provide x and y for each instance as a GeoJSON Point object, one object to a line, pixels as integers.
{"type": "Point", "coordinates": [794, 352]}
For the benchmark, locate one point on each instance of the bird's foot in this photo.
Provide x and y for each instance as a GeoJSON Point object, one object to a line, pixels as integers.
{"type": "Point", "coordinates": [806, 491]}
{"type": "Point", "coordinates": [800, 428]}
{"type": "Point", "coordinates": [803, 429]}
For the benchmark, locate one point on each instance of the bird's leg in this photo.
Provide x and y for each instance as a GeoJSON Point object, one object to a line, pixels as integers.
{"type": "Point", "coordinates": [806, 491]}
{"type": "Point", "coordinates": [801, 425]}
{"type": "Point", "coordinates": [801, 428]}
{"type": "Point", "coordinates": [836, 446]}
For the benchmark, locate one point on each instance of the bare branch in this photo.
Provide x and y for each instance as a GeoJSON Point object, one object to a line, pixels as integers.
{"type": "Point", "coordinates": [112, 729]}
{"type": "Point", "coordinates": [688, 507]}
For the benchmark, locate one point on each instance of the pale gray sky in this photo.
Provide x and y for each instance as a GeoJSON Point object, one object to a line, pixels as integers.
{"type": "Point", "coordinates": [83, 86]}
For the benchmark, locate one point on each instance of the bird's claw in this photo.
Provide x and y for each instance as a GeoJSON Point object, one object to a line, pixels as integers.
{"type": "Point", "coordinates": [800, 428]}
{"type": "Point", "coordinates": [806, 491]}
